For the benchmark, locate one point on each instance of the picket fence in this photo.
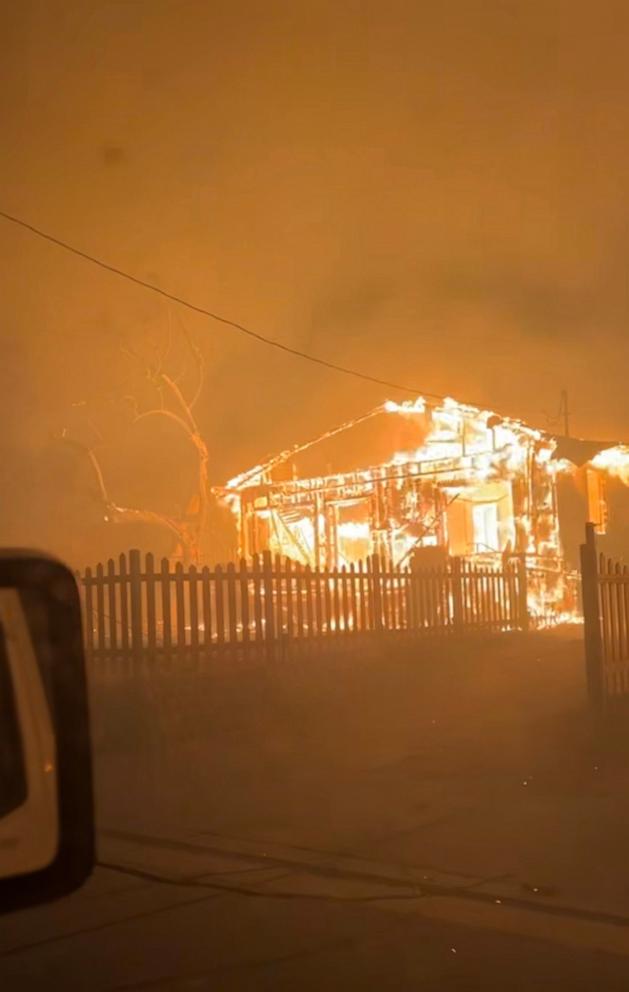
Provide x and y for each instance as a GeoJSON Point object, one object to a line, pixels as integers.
{"type": "Point", "coordinates": [139, 614]}
{"type": "Point", "coordinates": [606, 618]}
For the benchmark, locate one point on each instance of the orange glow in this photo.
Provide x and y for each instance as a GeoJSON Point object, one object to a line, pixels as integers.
{"type": "Point", "coordinates": [480, 486]}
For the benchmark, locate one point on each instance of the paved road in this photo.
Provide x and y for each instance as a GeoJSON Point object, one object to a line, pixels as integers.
{"type": "Point", "coordinates": [303, 930]}
{"type": "Point", "coordinates": [450, 824]}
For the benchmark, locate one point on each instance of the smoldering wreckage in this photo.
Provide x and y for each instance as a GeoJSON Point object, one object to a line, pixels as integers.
{"type": "Point", "coordinates": [421, 484]}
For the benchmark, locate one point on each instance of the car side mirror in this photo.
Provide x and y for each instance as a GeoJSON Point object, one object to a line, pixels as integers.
{"type": "Point", "coordinates": [46, 801]}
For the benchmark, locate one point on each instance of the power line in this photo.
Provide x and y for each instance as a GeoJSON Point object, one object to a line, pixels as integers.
{"type": "Point", "coordinates": [195, 308]}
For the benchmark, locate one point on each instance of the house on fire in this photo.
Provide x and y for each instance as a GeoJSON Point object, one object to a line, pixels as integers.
{"type": "Point", "coordinates": [418, 482]}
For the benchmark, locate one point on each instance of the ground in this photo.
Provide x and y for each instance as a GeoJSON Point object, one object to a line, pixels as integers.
{"type": "Point", "coordinates": [446, 814]}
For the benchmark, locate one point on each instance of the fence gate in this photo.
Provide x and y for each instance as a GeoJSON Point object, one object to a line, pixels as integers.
{"type": "Point", "coordinates": [605, 585]}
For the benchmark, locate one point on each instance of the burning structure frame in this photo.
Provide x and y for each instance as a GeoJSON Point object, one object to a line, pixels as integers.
{"type": "Point", "coordinates": [477, 486]}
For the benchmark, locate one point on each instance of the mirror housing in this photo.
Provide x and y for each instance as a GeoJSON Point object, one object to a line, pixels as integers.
{"type": "Point", "coordinates": [46, 796]}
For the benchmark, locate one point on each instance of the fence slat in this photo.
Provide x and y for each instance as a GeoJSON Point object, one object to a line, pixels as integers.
{"type": "Point", "coordinates": [269, 610]}
{"type": "Point", "coordinates": [100, 607]}
{"type": "Point", "coordinates": [257, 600]}
{"type": "Point", "coordinates": [220, 609]}
{"type": "Point", "coordinates": [336, 600]}
{"type": "Point", "coordinates": [299, 596]}
{"type": "Point", "coordinates": [345, 628]}
{"type": "Point", "coordinates": [310, 611]}
{"type": "Point", "coordinates": [395, 606]}
{"type": "Point", "coordinates": [319, 601]}
{"type": "Point", "coordinates": [89, 609]}
{"type": "Point", "coordinates": [151, 619]}
{"type": "Point", "coordinates": [620, 602]}
{"type": "Point", "coordinates": [135, 603]}
{"type": "Point", "coordinates": [385, 595]}
{"type": "Point", "coordinates": [231, 606]}
{"type": "Point", "coordinates": [193, 600]}
{"type": "Point", "coordinates": [180, 608]}
{"type": "Point", "coordinates": [376, 592]}
{"type": "Point", "coordinates": [474, 595]}
{"type": "Point", "coordinates": [353, 598]}
{"type": "Point", "coordinates": [167, 633]}
{"type": "Point", "coordinates": [510, 593]}
{"type": "Point", "coordinates": [362, 598]}
{"type": "Point", "coordinates": [206, 590]}
{"type": "Point", "coordinates": [431, 605]}
{"type": "Point", "coordinates": [290, 618]}
{"type": "Point", "coordinates": [492, 598]}
{"type": "Point", "coordinates": [410, 602]}
{"type": "Point", "coordinates": [613, 610]}
{"type": "Point", "coordinates": [278, 599]}
{"type": "Point", "coordinates": [124, 609]}
{"type": "Point", "coordinates": [485, 595]}
{"type": "Point", "coordinates": [326, 602]}
{"type": "Point", "coordinates": [502, 584]}
{"type": "Point", "coordinates": [443, 584]}
{"type": "Point", "coordinates": [111, 606]}
{"type": "Point", "coordinates": [603, 589]}
{"type": "Point", "coordinates": [243, 580]}
{"type": "Point", "coordinates": [419, 587]}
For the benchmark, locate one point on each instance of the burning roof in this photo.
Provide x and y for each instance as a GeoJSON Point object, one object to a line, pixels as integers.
{"type": "Point", "coordinates": [394, 434]}
{"type": "Point", "coordinates": [422, 431]}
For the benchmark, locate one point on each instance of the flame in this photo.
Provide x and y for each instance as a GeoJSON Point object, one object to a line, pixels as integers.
{"type": "Point", "coordinates": [562, 466]}
{"type": "Point", "coordinates": [615, 461]}
{"type": "Point", "coordinates": [484, 448]}
{"type": "Point", "coordinates": [469, 453]}
{"type": "Point", "coordinates": [354, 530]}
{"type": "Point", "coordinates": [408, 407]}
{"type": "Point", "coordinates": [485, 445]}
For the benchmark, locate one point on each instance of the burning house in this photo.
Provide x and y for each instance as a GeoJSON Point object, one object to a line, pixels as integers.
{"type": "Point", "coordinates": [410, 482]}
{"type": "Point", "coordinates": [419, 483]}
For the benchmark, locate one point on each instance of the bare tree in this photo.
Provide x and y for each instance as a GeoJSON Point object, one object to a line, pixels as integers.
{"type": "Point", "coordinates": [188, 526]}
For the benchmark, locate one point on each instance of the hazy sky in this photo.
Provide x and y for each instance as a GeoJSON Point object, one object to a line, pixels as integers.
{"type": "Point", "coordinates": [435, 193]}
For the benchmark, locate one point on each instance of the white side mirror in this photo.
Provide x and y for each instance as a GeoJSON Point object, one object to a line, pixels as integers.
{"type": "Point", "coordinates": [46, 808]}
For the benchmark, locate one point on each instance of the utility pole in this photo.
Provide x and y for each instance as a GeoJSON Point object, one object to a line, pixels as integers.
{"type": "Point", "coordinates": [564, 412]}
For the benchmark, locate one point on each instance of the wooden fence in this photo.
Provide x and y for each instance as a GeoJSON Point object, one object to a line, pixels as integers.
{"type": "Point", "coordinates": [139, 614]}
{"type": "Point", "coordinates": [606, 617]}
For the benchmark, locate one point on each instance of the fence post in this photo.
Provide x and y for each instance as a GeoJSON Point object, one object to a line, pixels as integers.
{"type": "Point", "coordinates": [135, 588]}
{"type": "Point", "coordinates": [591, 618]}
{"type": "Point", "coordinates": [523, 595]}
{"type": "Point", "coordinates": [269, 606]}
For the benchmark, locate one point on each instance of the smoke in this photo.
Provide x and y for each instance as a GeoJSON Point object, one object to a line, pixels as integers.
{"type": "Point", "coordinates": [433, 196]}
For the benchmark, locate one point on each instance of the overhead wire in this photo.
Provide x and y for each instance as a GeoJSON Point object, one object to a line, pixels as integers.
{"type": "Point", "coordinates": [227, 321]}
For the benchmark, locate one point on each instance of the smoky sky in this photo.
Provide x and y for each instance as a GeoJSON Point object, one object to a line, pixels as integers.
{"type": "Point", "coordinates": [433, 193]}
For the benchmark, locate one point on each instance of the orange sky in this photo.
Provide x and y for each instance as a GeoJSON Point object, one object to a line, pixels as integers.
{"type": "Point", "coordinates": [434, 193]}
